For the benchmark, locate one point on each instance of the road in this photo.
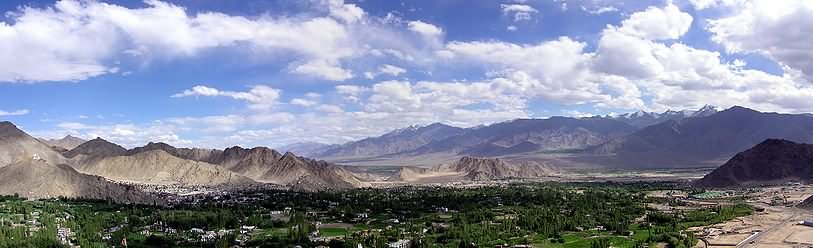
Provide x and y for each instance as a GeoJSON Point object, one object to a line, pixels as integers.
{"type": "Point", "coordinates": [753, 241]}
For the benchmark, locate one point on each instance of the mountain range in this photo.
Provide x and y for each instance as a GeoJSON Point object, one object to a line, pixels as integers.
{"type": "Point", "coordinates": [100, 169]}
{"type": "Point", "coordinates": [642, 118]}
{"type": "Point", "coordinates": [307, 149]}
{"type": "Point", "coordinates": [522, 148]}
{"type": "Point", "coordinates": [703, 137]}
{"type": "Point", "coordinates": [395, 142]}
{"type": "Point", "coordinates": [703, 140]}
{"type": "Point", "coordinates": [505, 138]}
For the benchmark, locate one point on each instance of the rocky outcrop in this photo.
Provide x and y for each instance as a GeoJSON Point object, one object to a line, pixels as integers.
{"type": "Point", "coordinates": [476, 169]}
{"type": "Point", "coordinates": [773, 161]}
{"type": "Point", "coordinates": [267, 165]}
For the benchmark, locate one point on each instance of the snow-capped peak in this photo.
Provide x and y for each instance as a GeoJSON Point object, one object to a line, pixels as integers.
{"type": "Point", "coordinates": [706, 110]}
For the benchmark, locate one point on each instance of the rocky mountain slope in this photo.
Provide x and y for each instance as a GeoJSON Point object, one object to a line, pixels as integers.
{"type": "Point", "coordinates": [772, 161]}
{"type": "Point", "coordinates": [66, 143]}
{"type": "Point", "coordinates": [269, 166]}
{"type": "Point", "coordinates": [161, 168]}
{"type": "Point", "coordinates": [397, 141]}
{"type": "Point", "coordinates": [475, 169]}
{"type": "Point", "coordinates": [703, 139]}
{"type": "Point", "coordinates": [36, 178]}
{"type": "Point", "coordinates": [95, 149]}
{"type": "Point", "coordinates": [16, 145]}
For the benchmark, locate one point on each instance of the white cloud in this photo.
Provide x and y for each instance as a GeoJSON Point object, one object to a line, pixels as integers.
{"type": "Point", "coordinates": [600, 10]}
{"type": "Point", "coordinates": [425, 28]}
{"type": "Point", "coordinates": [511, 28]}
{"type": "Point", "coordinates": [526, 69]}
{"type": "Point", "coordinates": [658, 23]}
{"type": "Point", "coordinates": [259, 97]}
{"type": "Point", "coordinates": [95, 38]}
{"type": "Point", "coordinates": [329, 108]}
{"type": "Point", "coordinates": [703, 4]}
{"type": "Point", "coordinates": [303, 102]}
{"type": "Point", "coordinates": [391, 70]}
{"type": "Point", "coordinates": [779, 30]}
{"type": "Point", "coordinates": [346, 12]}
{"type": "Point", "coordinates": [636, 65]}
{"type": "Point", "coordinates": [385, 69]}
{"type": "Point", "coordinates": [522, 12]}
{"type": "Point", "coordinates": [706, 4]}
{"type": "Point", "coordinates": [324, 70]}
{"type": "Point", "coordinates": [351, 92]}
{"type": "Point", "coordinates": [14, 113]}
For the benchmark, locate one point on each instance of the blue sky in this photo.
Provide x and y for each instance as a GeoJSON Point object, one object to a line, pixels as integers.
{"type": "Point", "coordinates": [219, 73]}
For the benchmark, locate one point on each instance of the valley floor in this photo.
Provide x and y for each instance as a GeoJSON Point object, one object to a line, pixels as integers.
{"type": "Point", "coordinates": [510, 214]}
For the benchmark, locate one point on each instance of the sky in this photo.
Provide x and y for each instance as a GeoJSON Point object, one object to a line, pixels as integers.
{"type": "Point", "coordinates": [217, 73]}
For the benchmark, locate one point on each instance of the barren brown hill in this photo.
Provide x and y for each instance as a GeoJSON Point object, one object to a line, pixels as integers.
{"type": "Point", "coordinates": [16, 145]}
{"type": "Point", "coordinates": [266, 165]}
{"type": "Point", "coordinates": [160, 167]}
{"type": "Point", "coordinates": [770, 162]}
{"type": "Point", "coordinates": [198, 154]}
{"type": "Point", "coordinates": [476, 169]}
{"type": "Point", "coordinates": [97, 148]}
{"type": "Point", "coordinates": [35, 178]}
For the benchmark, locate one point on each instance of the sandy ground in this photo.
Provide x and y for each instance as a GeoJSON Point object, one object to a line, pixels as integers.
{"type": "Point", "coordinates": [777, 226]}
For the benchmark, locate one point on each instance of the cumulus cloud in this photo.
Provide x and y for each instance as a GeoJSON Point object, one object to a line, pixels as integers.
{"type": "Point", "coordinates": [346, 12]}
{"type": "Point", "coordinates": [637, 64]}
{"type": "Point", "coordinates": [630, 69]}
{"type": "Point", "coordinates": [656, 23]}
{"type": "Point", "coordinates": [259, 97]}
{"type": "Point", "coordinates": [779, 30]}
{"type": "Point", "coordinates": [351, 92]}
{"type": "Point", "coordinates": [425, 28]}
{"type": "Point", "coordinates": [95, 37]}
